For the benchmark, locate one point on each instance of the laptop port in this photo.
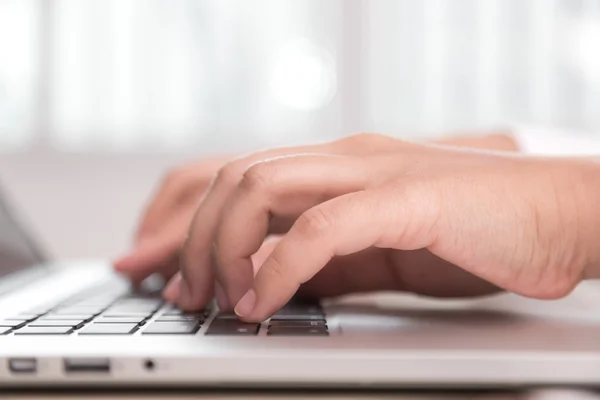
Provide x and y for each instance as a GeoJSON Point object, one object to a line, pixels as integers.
{"type": "Point", "coordinates": [22, 365]}
{"type": "Point", "coordinates": [87, 365]}
{"type": "Point", "coordinates": [149, 365]}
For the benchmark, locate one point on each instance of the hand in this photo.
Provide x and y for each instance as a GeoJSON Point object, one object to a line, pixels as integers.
{"type": "Point", "coordinates": [374, 213]}
{"type": "Point", "coordinates": [165, 222]}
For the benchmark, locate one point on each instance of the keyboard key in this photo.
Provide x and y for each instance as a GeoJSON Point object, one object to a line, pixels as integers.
{"type": "Point", "coordinates": [78, 310]}
{"type": "Point", "coordinates": [297, 331]}
{"type": "Point", "coordinates": [45, 330]}
{"type": "Point", "coordinates": [77, 317]}
{"type": "Point", "coordinates": [140, 302]}
{"type": "Point", "coordinates": [154, 296]}
{"type": "Point", "coordinates": [119, 320]}
{"type": "Point", "coordinates": [38, 310]}
{"type": "Point", "coordinates": [131, 308]}
{"type": "Point", "coordinates": [298, 317]}
{"type": "Point", "coordinates": [226, 316]}
{"type": "Point", "coordinates": [126, 315]}
{"type": "Point", "coordinates": [24, 317]}
{"type": "Point", "coordinates": [16, 323]}
{"type": "Point", "coordinates": [56, 322]}
{"type": "Point", "coordinates": [232, 327]}
{"type": "Point", "coordinates": [180, 318]}
{"type": "Point", "coordinates": [108, 329]}
{"type": "Point", "coordinates": [171, 328]}
{"type": "Point", "coordinates": [298, 309]}
{"type": "Point", "coordinates": [5, 329]}
{"type": "Point", "coordinates": [305, 323]}
{"type": "Point", "coordinates": [129, 311]}
{"type": "Point", "coordinates": [200, 313]}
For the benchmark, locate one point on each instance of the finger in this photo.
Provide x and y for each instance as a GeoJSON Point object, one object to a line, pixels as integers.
{"type": "Point", "coordinates": [272, 190]}
{"type": "Point", "coordinates": [402, 217]}
{"type": "Point", "coordinates": [196, 266]}
{"type": "Point", "coordinates": [154, 256]}
{"type": "Point", "coordinates": [171, 290]}
{"type": "Point", "coordinates": [196, 262]}
{"type": "Point", "coordinates": [180, 187]}
{"type": "Point", "coordinates": [158, 253]}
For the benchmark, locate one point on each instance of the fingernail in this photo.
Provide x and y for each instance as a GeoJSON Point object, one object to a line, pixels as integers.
{"type": "Point", "coordinates": [246, 304]}
{"type": "Point", "coordinates": [222, 299]}
{"type": "Point", "coordinates": [171, 292]}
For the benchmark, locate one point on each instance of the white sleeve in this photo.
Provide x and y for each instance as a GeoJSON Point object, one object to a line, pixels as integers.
{"type": "Point", "coordinates": [555, 142]}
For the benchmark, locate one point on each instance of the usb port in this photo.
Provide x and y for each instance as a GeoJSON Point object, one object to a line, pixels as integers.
{"type": "Point", "coordinates": [22, 365]}
{"type": "Point", "coordinates": [87, 365]}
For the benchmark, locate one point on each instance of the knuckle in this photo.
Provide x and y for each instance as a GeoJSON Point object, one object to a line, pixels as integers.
{"type": "Point", "coordinates": [258, 176]}
{"type": "Point", "coordinates": [313, 223]}
{"type": "Point", "coordinates": [368, 141]}
{"type": "Point", "coordinates": [230, 173]}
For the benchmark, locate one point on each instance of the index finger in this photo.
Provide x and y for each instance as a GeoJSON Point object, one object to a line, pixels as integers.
{"type": "Point", "coordinates": [272, 191]}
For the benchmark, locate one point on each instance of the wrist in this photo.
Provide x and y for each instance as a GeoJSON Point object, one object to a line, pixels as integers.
{"type": "Point", "coordinates": [588, 195]}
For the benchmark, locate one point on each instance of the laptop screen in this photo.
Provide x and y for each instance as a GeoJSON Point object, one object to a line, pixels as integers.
{"type": "Point", "coordinates": [17, 250]}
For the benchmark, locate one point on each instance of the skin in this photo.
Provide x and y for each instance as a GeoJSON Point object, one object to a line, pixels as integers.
{"type": "Point", "coordinates": [165, 222]}
{"type": "Point", "coordinates": [369, 213]}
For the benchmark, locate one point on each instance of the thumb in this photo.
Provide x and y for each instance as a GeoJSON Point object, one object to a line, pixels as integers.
{"type": "Point", "coordinates": [399, 216]}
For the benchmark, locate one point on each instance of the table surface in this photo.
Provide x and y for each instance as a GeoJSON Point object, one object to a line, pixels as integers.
{"type": "Point", "coordinates": [554, 394]}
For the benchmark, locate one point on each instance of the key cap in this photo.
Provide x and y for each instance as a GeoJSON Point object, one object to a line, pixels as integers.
{"type": "Point", "coordinates": [185, 313]}
{"type": "Point", "coordinates": [64, 317]}
{"type": "Point", "coordinates": [304, 310]}
{"type": "Point", "coordinates": [171, 328]}
{"type": "Point", "coordinates": [108, 329]}
{"type": "Point", "coordinates": [119, 320]}
{"type": "Point", "coordinates": [296, 317]}
{"type": "Point", "coordinates": [181, 318]}
{"type": "Point", "coordinates": [122, 313]}
{"type": "Point", "coordinates": [78, 310]}
{"type": "Point", "coordinates": [146, 301]}
{"type": "Point", "coordinates": [226, 316]}
{"type": "Point", "coordinates": [5, 329]}
{"type": "Point", "coordinates": [232, 327]}
{"type": "Point", "coordinates": [24, 317]}
{"type": "Point", "coordinates": [45, 330]}
{"type": "Point", "coordinates": [38, 310]}
{"type": "Point", "coordinates": [56, 322]}
{"type": "Point", "coordinates": [297, 331]}
{"type": "Point", "coordinates": [319, 323]}
{"type": "Point", "coordinates": [132, 308]}
{"type": "Point", "coordinates": [125, 315]}
{"type": "Point", "coordinates": [16, 323]}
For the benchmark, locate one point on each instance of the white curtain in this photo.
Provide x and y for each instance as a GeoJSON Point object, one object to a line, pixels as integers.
{"type": "Point", "coordinates": [156, 74]}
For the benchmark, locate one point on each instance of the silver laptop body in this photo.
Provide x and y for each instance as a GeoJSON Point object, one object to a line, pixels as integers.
{"type": "Point", "coordinates": [377, 340]}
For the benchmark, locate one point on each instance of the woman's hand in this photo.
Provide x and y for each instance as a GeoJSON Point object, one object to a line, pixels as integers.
{"type": "Point", "coordinates": [166, 220]}
{"type": "Point", "coordinates": [374, 213]}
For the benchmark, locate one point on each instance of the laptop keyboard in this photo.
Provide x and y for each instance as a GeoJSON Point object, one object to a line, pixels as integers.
{"type": "Point", "coordinates": [100, 312]}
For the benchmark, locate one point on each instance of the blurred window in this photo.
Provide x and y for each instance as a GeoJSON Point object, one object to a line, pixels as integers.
{"type": "Point", "coordinates": [159, 74]}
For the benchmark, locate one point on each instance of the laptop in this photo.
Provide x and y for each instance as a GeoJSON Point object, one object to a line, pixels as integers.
{"type": "Point", "coordinates": [78, 324]}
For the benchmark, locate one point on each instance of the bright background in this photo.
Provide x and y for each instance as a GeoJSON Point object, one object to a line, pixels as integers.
{"type": "Point", "coordinates": [99, 97]}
